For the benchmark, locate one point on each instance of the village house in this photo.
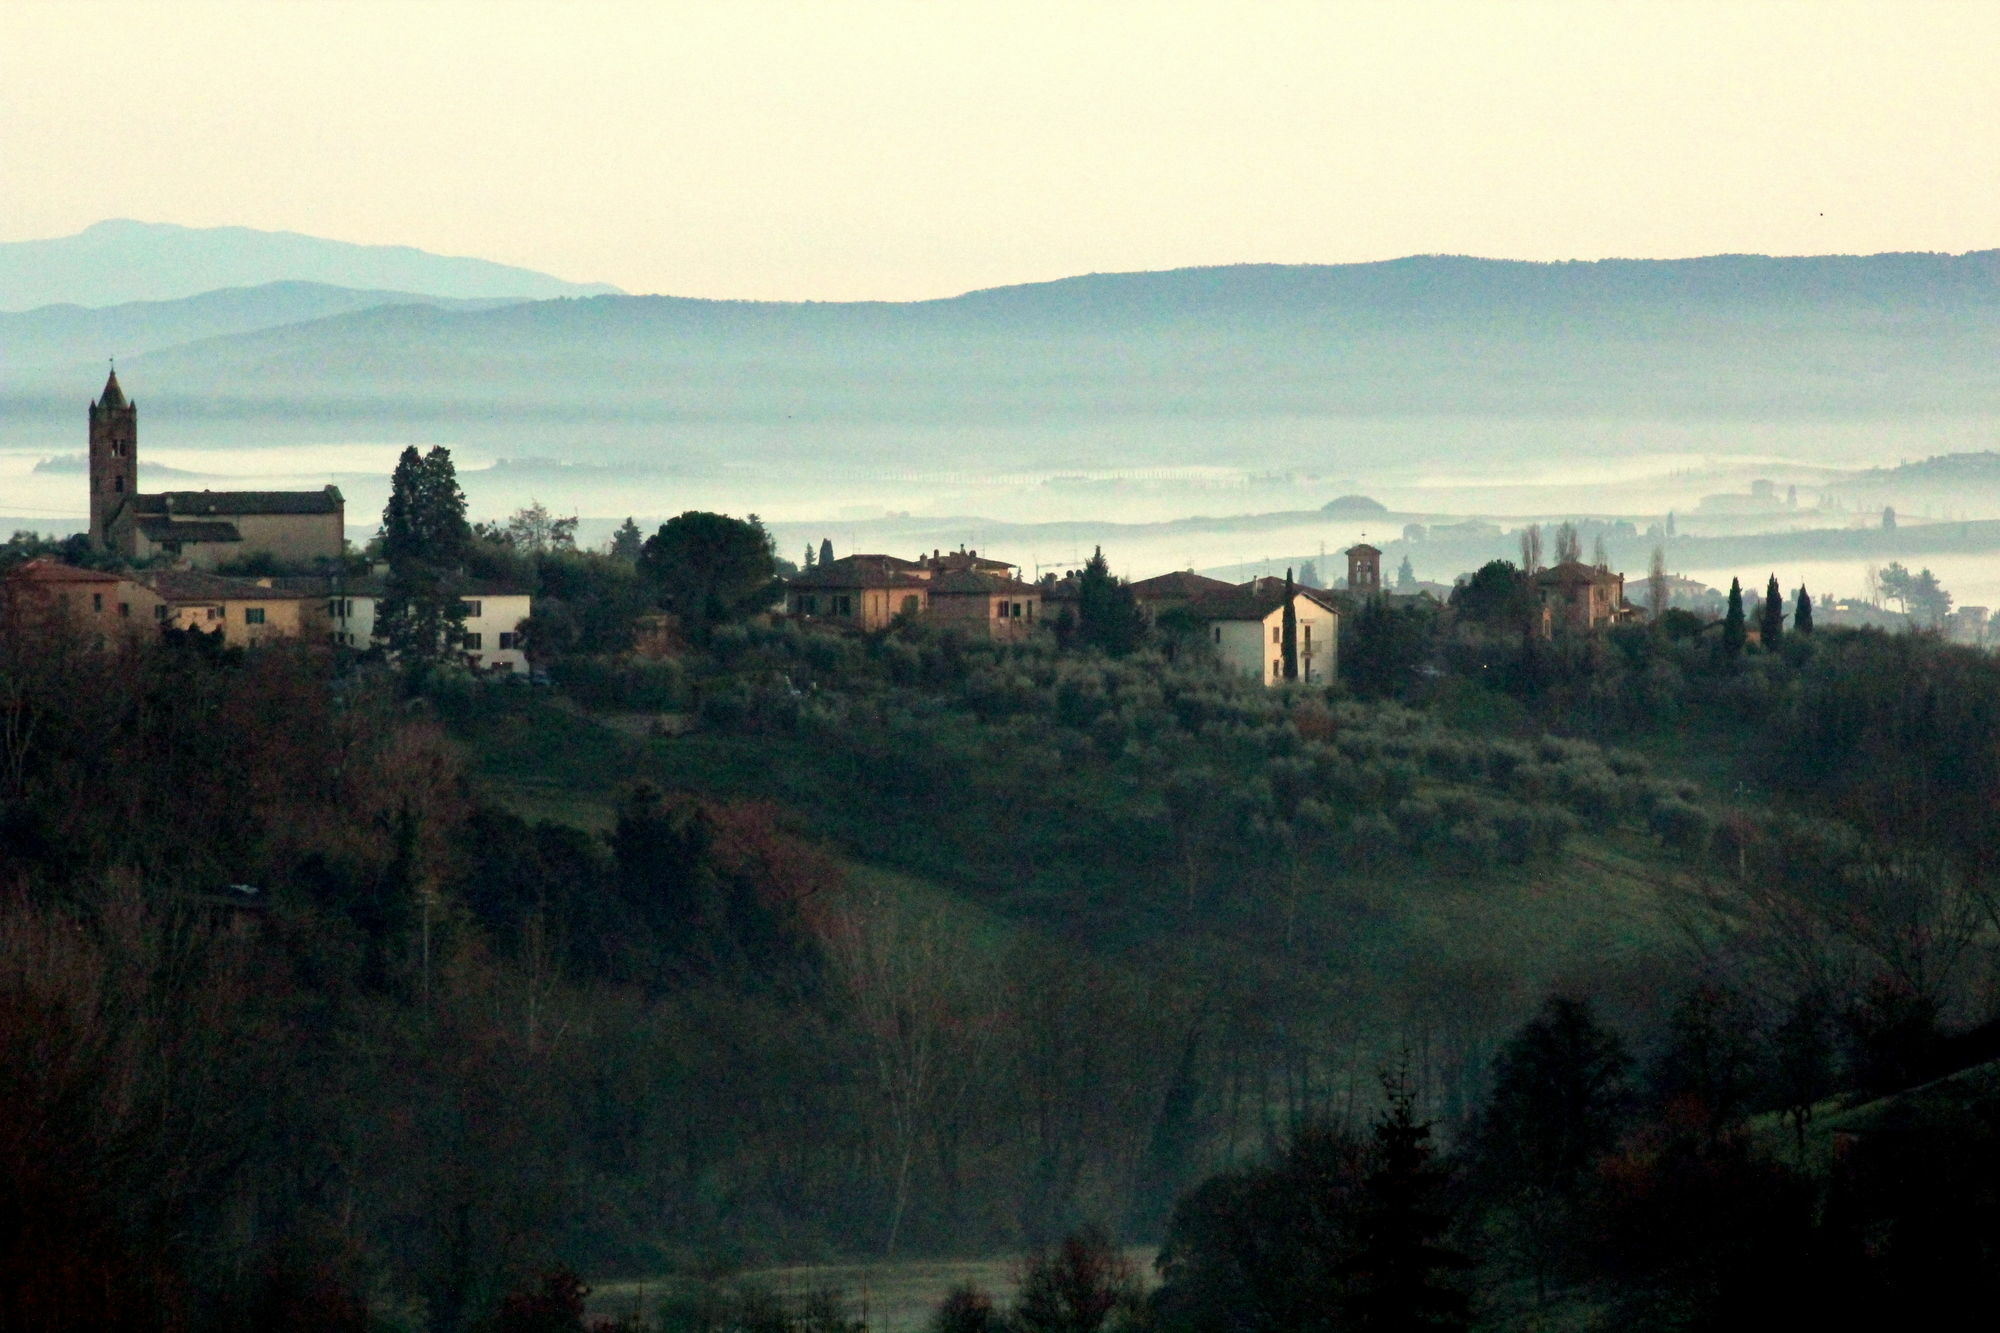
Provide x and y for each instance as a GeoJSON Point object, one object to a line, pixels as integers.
{"type": "Point", "coordinates": [1246, 630]}
{"type": "Point", "coordinates": [201, 529]}
{"type": "Point", "coordinates": [248, 612]}
{"type": "Point", "coordinates": [91, 599]}
{"type": "Point", "coordinates": [1163, 592]}
{"type": "Point", "coordinates": [1576, 597]}
{"type": "Point", "coordinates": [961, 589]}
{"type": "Point", "coordinates": [494, 613]}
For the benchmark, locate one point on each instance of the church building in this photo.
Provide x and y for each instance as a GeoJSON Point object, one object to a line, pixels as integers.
{"type": "Point", "coordinates": [201, 529]}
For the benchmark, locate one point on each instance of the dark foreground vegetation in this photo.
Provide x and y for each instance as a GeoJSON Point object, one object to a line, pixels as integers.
{"type": "Point", "coordinates": [1628, 981]}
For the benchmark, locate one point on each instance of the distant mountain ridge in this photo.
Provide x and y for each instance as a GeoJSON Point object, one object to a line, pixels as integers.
{"type": "Point", "coordinates": [62, 334]}
{"type": "Point", "coordinates": [120, 261]}
{"type": "Point", "coordinates": [1265, 364]}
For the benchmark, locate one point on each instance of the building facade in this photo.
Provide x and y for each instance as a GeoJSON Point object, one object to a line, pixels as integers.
{"type": "Point", "coordinates": [198, 529]}
{"type": "Point", "coordinates": [89, 599]}
{"type": "Point", "coordinates": [1246, 633]}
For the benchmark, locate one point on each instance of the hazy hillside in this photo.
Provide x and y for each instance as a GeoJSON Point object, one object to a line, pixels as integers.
{"type": "Point", "coordinates": [1269, 364]}
{"type": "Point", "coordinates": [65, 334]}
{"type": "Point", "coordinates": [110, 263]}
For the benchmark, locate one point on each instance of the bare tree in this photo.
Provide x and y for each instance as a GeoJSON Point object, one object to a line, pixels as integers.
{"type": "Point", "coordinates": [1531, 549]}
{"type": "Point", "coordinates": [923, 1003]}
{"type": "Point", "coordinates": [1569, 543]}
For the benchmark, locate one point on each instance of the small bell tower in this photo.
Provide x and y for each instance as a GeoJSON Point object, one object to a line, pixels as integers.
{"type": "Point", "coordinates": [114, 456]}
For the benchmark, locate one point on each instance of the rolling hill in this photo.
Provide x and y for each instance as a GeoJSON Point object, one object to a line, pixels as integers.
{"type": "Point", "coordinates": [1264, 363]}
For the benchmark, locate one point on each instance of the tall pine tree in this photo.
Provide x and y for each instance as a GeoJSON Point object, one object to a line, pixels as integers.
{"type": "Point", "coordinates": [1771, 624]}
{"type": "Point", "coordinates": [1106, 616]}
{"type": "Point", "coordinates": [625, 542]}
{"type": "Point", "coordinates": [425, 539]}
{"type": "Point", "coordinates": [1802, 616]}
{"type": "Point", "coordinates": [1401, 1273]}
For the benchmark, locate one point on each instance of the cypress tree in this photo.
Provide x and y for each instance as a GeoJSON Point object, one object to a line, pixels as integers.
{"type": "Point", "coordinates": [1772, 623]}
{"type": "Point", "coordinates": [1289, 635]}
{"type": "Point", "coordinates": [1734, 633]}
{"type": "Point", "coordinates": [826, 550]}
{"type": "Point", "coordinates": [1802, 617]}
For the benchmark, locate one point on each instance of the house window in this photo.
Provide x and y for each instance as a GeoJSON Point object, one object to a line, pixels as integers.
{"type": "Point", "coordinates": [507, 641]}
{"type": "Point", "coordinates": [215, 613]}
{"type": "Point", "coordinates": [253, 615]}
{"type": "Point", "coordinates": [474, 642]}
{"type": "Point", "coordinates": [1000, 610]}
{"type": "Point", "coordinates": [1276, 667]}
{"type": "Point", "coordinates": [1309, 636]}
{"type": "Point", "coordinates": [843, 606]}
{"type": "Point", "coordinates": [160, 611]}
{"type": "Point", "coordinates": [808, 606]}
{"type": "Point", "coordinates": [1218, 634]}
{"type": "Point", "coordinates": [1277, 633]}
{"type": "Point", "coordinates": [472, 610]}
{"type": "Point", "coordinates": [910, 604]}
{"type": "Point", "coordinates": [97, 601]}
{"type": "Point", "coordinates": [125, 609]}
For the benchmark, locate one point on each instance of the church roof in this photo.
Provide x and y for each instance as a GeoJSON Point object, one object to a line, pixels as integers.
{"type": "Point", "coordinates": [163, 529]}
{"type": "Point", "coordinates": [203, 503]}
{"type": "Point", "coordinates": [113, 396]}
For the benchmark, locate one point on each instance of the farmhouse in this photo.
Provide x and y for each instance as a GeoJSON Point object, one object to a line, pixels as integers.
{"type": "Point", "coordinates": [1246, 630]}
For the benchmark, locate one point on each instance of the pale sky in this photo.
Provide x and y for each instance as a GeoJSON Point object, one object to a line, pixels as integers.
{"type": "Point", "coordinates": [862, 148]}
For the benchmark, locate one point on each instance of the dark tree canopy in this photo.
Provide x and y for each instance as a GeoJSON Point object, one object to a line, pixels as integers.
{"type": "Point", "coordinates": [1289, 636]}
{"type": "Point", "coordinates": [711, 569]}
{"type": "Point", "coordinates": [1734, 632]}
{"type": "Point", "coordinates": [628, 540]}
{"type": "Point", "coordinates": [1496, 595]}
{"type": "Point", "coordinates": [1802, 621]}
{"type": "Point", "coordinates": [426, 541]}
{"type": "Point", "coordinates": [1771, 621]}
{"type": "Point", "coordinates": [1107, 617]}
{"type": "Point", "coordinates": [1559, 1099]}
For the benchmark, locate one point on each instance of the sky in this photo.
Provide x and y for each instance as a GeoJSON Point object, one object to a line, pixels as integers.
{"type": "Point", "coordinates": [848, 149]}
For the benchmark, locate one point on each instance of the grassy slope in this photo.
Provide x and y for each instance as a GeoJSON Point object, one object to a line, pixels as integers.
{"type": "Point", "coordinates": [1591, 909]}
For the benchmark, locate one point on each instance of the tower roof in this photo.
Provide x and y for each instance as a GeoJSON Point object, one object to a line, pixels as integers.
{"type": "Point", "coordinates": [113, 396]}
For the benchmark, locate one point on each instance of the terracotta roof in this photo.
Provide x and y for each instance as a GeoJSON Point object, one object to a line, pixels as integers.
{"type": "Point", "coordinates": [326, 500]}
{"type": "Point", "coordinates": [1248, 604]}
{"type": "Point", "coordinates": [861, 571]}
{"type": "Point", "coordinates": [1184, 584]}
{"type": "Point", "coordinates": [972, 582]}
{"type": "Point", "coordinates": [42, 569]}
{"type": "Point", "coordinates": [958, 560]}
{"type": "Point", "coordinates": [1575, 571]}
{"type": "Point", "coordinates": [192, 585]}
{"type": "Point", "coordinates": [1362, 548]}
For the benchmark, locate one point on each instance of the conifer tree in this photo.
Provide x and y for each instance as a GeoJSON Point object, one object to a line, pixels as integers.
{"type": "Point", "coordinates": [425, 539]}
{"type": "Point", "coordinates": [625, 542]}
{"type": "Point", "coordinates": [1734, 633]}
{"type": "Point", "coordinates": [1107, 617]}
{"type": "Point", "coordinates": [1802, 622]}
{"type": "Point", "coordinates": [1401, 1272]}
{"type": "Point", "coordinates": [1289, 635]}
{"type": "Point", "coordinates": [1772, 623]}
{"type": "Point", "coordinates": [826, 550]}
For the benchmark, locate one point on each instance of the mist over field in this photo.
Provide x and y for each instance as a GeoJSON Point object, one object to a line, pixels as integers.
{"type": "Point", "coordinates": [1191, 418]}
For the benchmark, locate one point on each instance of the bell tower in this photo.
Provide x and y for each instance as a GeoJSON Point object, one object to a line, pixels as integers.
{"type": "Point", "coordinates": [114, 456]}
{"type": "Point", "coordinates": [1364, 571]}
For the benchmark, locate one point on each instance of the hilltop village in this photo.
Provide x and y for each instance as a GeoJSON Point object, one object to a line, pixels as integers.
{"type": "Point", "coordinates": [250, 567]}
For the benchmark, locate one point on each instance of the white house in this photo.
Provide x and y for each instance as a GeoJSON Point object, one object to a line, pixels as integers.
{"type": "Point", "coordinates": [1246, 630]}
{"type": "Point", "coordinates": [493, 616]}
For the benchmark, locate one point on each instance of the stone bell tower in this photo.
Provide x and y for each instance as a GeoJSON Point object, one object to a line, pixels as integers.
{"type": "Point", "coordinates": [114, 457]}
{"type": "Point", "coordinates": [1364, 571]}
